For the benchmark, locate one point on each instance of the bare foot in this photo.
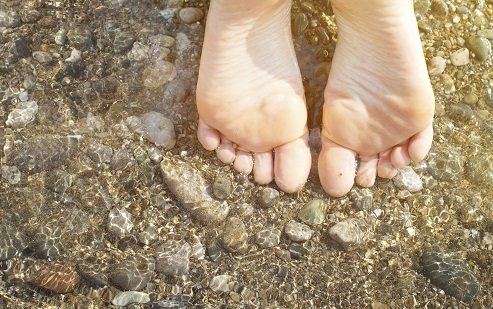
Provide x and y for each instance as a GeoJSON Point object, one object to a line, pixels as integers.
{"type": "Point", "coordinates": [250, 96]}
{"type": "Point", "coordinates": [379, 103]}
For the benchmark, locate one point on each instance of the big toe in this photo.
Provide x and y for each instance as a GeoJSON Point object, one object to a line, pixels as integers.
{"type": "Point", "coordinates": [292, 164]}
{"type": "Point", "coordinates": [336, 168]}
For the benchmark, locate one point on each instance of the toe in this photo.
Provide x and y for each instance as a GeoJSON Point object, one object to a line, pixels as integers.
{"type": "Point", "coordinates": [263, 168]}
{"type": "Point", "coordinates": [385, 167]}
{"type": "Point", "coordinates": [243, 162]}
{"type": "Point", "coordinates": [420, 144]}
{"type": "Point", "coordinates": [399, 156]}
{"type": "Point", "coordinates": [208, 136]}
{"type": "Point", "coordinates": [336, 168]}
{"type": "Point", "coordinates": [226, 152]}
{"type": "Point", "coordinates": [367, 171]}
{"type": "Point", "coordinates": [292, 164]}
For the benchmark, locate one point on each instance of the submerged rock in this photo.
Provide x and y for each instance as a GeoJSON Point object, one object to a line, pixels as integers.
{"type": "Point", "coordinates": [12, 242]}
{"type": "Point", "coordinates": [130, 297]}
{"type": "Point", "coordinates": [269, 237]}
{"type": "Point", "coordinates": [220, 283]}
{"type": "Point", "coordinates": [314, 212]}
{"type": "Point", "coordinates": [119, 222]}
{"type": "Point", "coordinates": [450, 274]}
{"type": "Point", "coordinates": [22, 115]}
{"type": "Point", "coordinates": [192, 192]}
{"type": "Point", "coordinates": [351, 232]}
{"type": "Point", "coordinates": [235, 236]}
{"type": "Point", "coordinates": [172, 258]}
{"type": "Point", "coordinates": [298, 231]}
{"type": "Point", "coordinates": [408, 179]}
{"type": "Point", "coordinates": [133, 273]}
{"type": "Point", "coordinates": [57, 278]}
{"type": "Point", "coordinates": [155, 127]}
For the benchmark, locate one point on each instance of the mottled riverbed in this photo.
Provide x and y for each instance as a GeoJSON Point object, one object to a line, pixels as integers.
{"type": "Point", "coordinates": [107, 198]}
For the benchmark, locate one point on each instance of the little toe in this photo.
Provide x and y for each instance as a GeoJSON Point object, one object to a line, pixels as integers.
{"type": "Point", "coordinates": [367, 171]}
{"type": "Point", "coordinates": [336, 168]}
{"type": "Point", "coordinates": [208, 136]}
{"type": "Point", "coordinates": [243, 162]}
{"type": "Point", "coordinates": [226, 152]}
{"type": "Point", "coordinates": [292, 164]}
{"type": "Point", "coordinates": [263, 167]}
{"type": "Point", "coordinates": [399, 156]}
{"type": "Point", "coordinates": [385, 167]}
{"type": "Point", "coordinates": [420, 144]}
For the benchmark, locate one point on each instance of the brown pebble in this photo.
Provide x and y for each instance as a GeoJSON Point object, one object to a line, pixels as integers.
{"type": "Point", "coordinates": [57, 278]}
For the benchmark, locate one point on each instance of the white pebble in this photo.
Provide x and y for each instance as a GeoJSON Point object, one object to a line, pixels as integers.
{"type": "Point", "coordinates": [437, 66]}
{"type": "Point", "coordinates": [460, 57]}
{"type": "Point", "coordinates": [75, 56]}
{"type": "Point", "coordinates": [220, 283]}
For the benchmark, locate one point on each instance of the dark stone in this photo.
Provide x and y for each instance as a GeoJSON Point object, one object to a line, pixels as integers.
{"type": "Point", "coordinates": [75, 69]}
{"type": "Point", "coordinates": [133, 274]}
{"type": "Point", "coordinates": [93, 271]}
{"type": "Point", "coordinates": [122, 42]}
{"type": "Point", "coordinates": [297, 251]}
{"type": "Point", "coordinates": [12, 242]}
{"type": "Point", "coordinates": [450, 274]}
{"type": "Point", "coordinates": [20, 47]}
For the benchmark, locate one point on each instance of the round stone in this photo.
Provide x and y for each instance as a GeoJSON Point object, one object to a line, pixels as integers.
{"type": "Point", "coordinates": [407, 179]}
{"type": "Point", "coordinates": [268, 197]}
{"type": "Point", "coordinates": [298, 231]}
{"type": "Point", "coordinates": [57, 278]}
{"type": "Point", "coordinates": [191, 15]}
{"type": "Point", "coordinates": [314, 212]}
{"type": "Point", "coordinates": [130, 297]}
{"type": "Point", "coordinates": [269, 237]}
{"type": "Point", "coordinates": [42, 57]}
{"type": "Point", "coordinates": [437, 66]}
{"type": "Point", "coordinates": [350, 232]}
{"type": "Point", "coordinates": [480, 46]}
{"type": "Point", "coordinates": [471, 98]}
{"type": "Point", "coordinates": [439, 8]}
{"type": "Point", "coordinates": [222, 186]}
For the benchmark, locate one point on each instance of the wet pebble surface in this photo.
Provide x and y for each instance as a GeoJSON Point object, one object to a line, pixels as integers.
{"type": "Point", "coordinates": [133, 273]}
{"type": "Point", "coordinates": [298, 231]}
{"type": "Point", "coordinates": [172, 258]}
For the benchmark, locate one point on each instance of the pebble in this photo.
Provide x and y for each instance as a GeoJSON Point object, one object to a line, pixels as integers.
{"type": "Point", "coordinates": [439, 8]}
{"type": "Point", "coordinates": [23, 114]}
{"type": "Point", "coordinates": [448, 84]}
{"type": "Point", "coordinates": [351, 232]}
{"type": "Point", "coordinates": [42, 152]}
{"type": "Point", "coordinates": [198, 249]}
{"type": "Point", "coordinates": [436, 66]}
{"type": "Point", "coordinates": [60, 37]}
{"type": "Point", "coordinates": [486, 33]}
{"type": "Point", "coordinates": [57, 278]}
{"type": "Point", "coordinates": [20, 47]}
{"type": "Point", "coordinates": [75, 69]}
{"type": "Point", "coordinates": [222, 186]}
{"type": "Point", "coordinates": [470, 98]}
{"type": "Point", "coordinates": [421, 7]}
{"type": "Point", "coordinates": [314, 212]}
{"type": "Point", "coordinates": [158, 74]}
{"type": "Point", "coordinates": [130, 297]}
{"type": "Point", "coordinates": [297, 251]}
{"type": "Point", "coordinates": [42, 57]}
{"type": "Point", "coordinates": [119, 222]}
{"type": "Point", "coordinates": [300, 24]}
{"type": "Point", "coordinates": [408, 179]}
{"type": "Point", "coordinates": [81, 38]}
{"type": "Point", "coordinates": [172, 258]}
{"type": "Point", "coordinates": [29, 82]}
{"type": "Point", "coordinates": [155, 127]}
{"type": "Point", "coordinates": [75, 56]}
{"type": "Point", "coordinates": [176, 91]}
{"type": "Point", "coordinates": [177, 301]}
{"type": "Point", "coordinates": [480, 46]}
{"type": "Point", "coordinates": [362, 198]}
{"type": "Point", "coordinates": [94, 271]}
{"type": "Point", "coordinates": [9, 18]}
{"type": "Point", "coordinates": [235, 236]}
{"type": "Point", "coordinates": [268, 197]}
{"type": "Point", "coordinates": [191, 15]}
{"type": "Point", "coordinates": [447, 165]}
{"type": "Point", "coordinates": [47, 243]}
{"type": "Point", "coordinates": [450, 274]}
{"type": "Point", "coordinates": [297, 231]}
{"type": "Point", "coordinates": [220, 283]}
{"type": "Point", "coordinates": [191, 191]}
{"type": "Point", "coordinates": [133, 273]}
{"type": "Point", "coordinates": [11, 174]}
{"type": "Point", "coordinates": [58, 180]}
{"type": "Point", "coordinates": [12, 242]}
{"type": "Point", "coordinates": [123, 41]}
{"type": "Point", "coordinates": [139, 52]}
{"type": "Point", "coordinates": [460, 57]}
{"type": "Point", "coordinates": [479, 170]}
{"type": "Point", "coordinates": [99, 153]}
{"type": "Point", "coordinates": [269, 237]}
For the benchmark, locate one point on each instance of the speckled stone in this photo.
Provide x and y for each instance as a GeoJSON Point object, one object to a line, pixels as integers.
{"type": "Point", "coordinates": [172, 258]}
{"type": "Point", "coordinates": [9, 18]}
{"type": "Point", "coordinates": [11, 174]}
{"type": "Point", "coordinates": [313, 213]}
{"type": "Point", "coordinates": [479, 170]}
{"type": "Point", "coordinates": [460, 57]}
{"type": "Point", "coordinates": [119, 222]}
{"type": "Point", "coordinates": [235, 236]}
{"type": "Point", "coordinates": [408, 179]}
{"type": "Point", "coordinates": [222, 186]}
{"type": "Point", "coordinates": [57, 278]}
{"type": "Point", "coordinates": [351, 232]}
{"type": "Point", "coordinates": [80, 38]}
{"type": "Point", "coordinates": [220, 283]}
{"type": "Point", "coordinates": [480, 46]}
{"type": "Point", "coordinates": [12, 242]}
{"type": "Point", "coordinates": [42, 57]}
{"type": "Point", "coordinates": [130, 297]}
{"type": "Point", "coordinates": [191, 191]}
{"type": "Point", "coordinates": [269, 237]}
{"type": "Point", "coordinates": [155, 127]}
{"type": "Point", "coordinates": [439, 8]}
{"type": "Point", "coordinates": [298, 231]}
{"type": "Point", "coordinates": [450, 274]}
{"type": "Point", "coordinates": [191, 15]}
{"type": "Point", "coordinates": [362, 198]}
{"type": "Point", "coordinates": [133, 273]}
{"type": "Point", "coordinates": [268, 197]}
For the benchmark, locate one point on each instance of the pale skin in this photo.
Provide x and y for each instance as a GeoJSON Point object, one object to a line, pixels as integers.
{"type": "Point", "coordinates": [378, 107]}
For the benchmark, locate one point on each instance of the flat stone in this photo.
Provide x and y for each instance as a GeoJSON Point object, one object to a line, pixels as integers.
{"type": "Point", "coordinates": [81, 38]}
{"type": "Point", "coordinates": [172, 258]}
{"type": "Point", "coordinates": [22, 115]}
{"type": "Point", "coordinates": [119, 222]}
{"type": "Point", "coordinates": [408, 179]}
{"type": "Point", "coordinates": [94, 271]}
{"type": "Point", "coordinates": [12, 242]}
{"type": "Point", "coordinates": [158, 74]}
{"type": "Point", "coordinates": [450, 274]}
{"type": "Point", "coordinates": [133, 273]}
{"type": "Point", "coordinates": [314, 212]}
{"type": "Point", "coordinates": [439, 8]}
{"type": "Point", "coordinates": [297, 231]}
{"type": "Point", "coordinates": [47, 243]}
{"type": "Point", "coordinates": [437, 65]}
{"type": "Point", "coordinates": [149, 235]}
{"type": "Point", "coordinates": [222, 186]}
{"type": "Point", "coordinates": [123, 41]}
{"type": "Point", "coordinates": [155, 127]}
{"type": "Point", "coordinates": [268, 197]}
{"type": "Point", "coordinates": [235, 236]}
{"type": "Point", "coordinates": [57, 278]}
{"type": "Point", "coordinates": [9, 18]}
{"type": "Point", "coordinates": [480, 46]}
{"type": "Point", "coordinates": [130, 297]}
{"type": "Point", "coordinates": [58, 180]}
{"type": "Point", "coordinates": [20, 47]}
{"type": "Point", "coordinates": [220, 283]}
{"type": "Point", "coordinates": [191, 15]}
{"type": "Point", "coordinates": [351, 232]}
{"type": "Point", "coordinates": [42, 57]}
{"type": "Point", "coordinates": [460, 57]}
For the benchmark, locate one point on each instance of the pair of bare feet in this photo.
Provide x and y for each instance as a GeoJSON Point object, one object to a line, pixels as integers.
{"type": "Point", "coordinates": [379, 103]}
